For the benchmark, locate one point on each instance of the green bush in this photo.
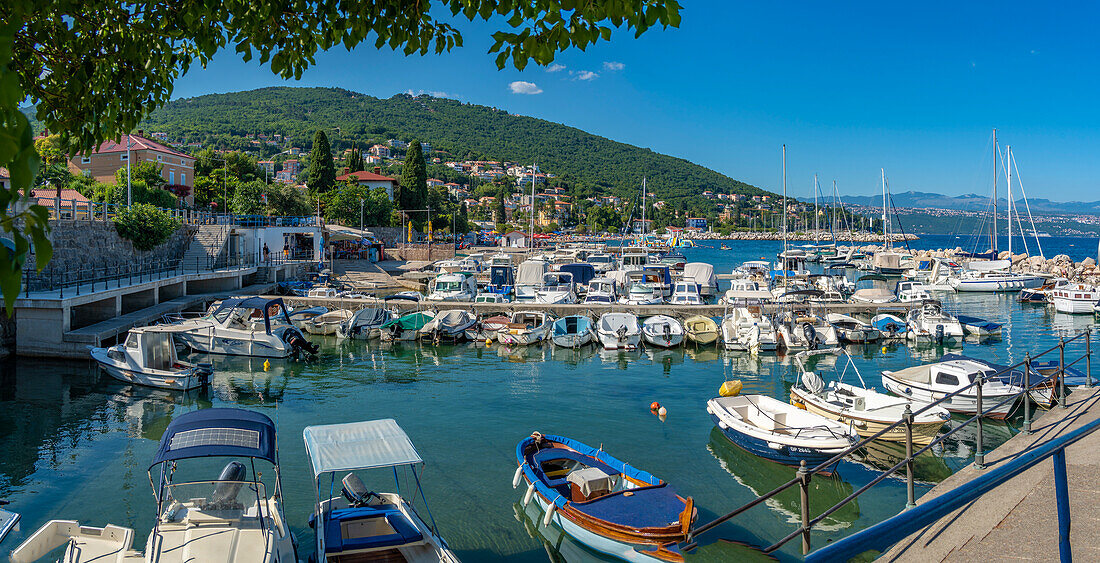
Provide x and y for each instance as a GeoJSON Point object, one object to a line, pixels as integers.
{"type": "Point", "coordinates": [145, 225]}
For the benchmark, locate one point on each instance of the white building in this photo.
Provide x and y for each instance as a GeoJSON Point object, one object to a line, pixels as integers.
{"type": "Point", "coordinates": [514, 239]}
{"type": "Point", "coordinates": [370, 180]}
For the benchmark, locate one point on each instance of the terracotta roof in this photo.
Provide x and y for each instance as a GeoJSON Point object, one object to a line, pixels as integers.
{"type": "Point", "coordinates": [46, 195]}
{"type": "Point", "coordinates": [138, 143]}
{"type": "Point", "coordinates": [364, 176]}
{"type": "Point", "coordinates": [4, 172]}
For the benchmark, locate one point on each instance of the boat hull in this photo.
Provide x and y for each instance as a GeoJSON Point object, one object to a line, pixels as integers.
{"type": "Point", "coordinates": [923, 433]}
{"type": "Point", "coordinates": [612, 341]}
{"type": "Point", "coordinates": [965, 404]}
{"type": "Point", "coordinates": [1073, 306]}
{"type": "Point", "coordinates": [572, 340]}
{"type": "Point", "coordinates": [786, 455]}
{"type": "Point", "coordinates": [173, 382]}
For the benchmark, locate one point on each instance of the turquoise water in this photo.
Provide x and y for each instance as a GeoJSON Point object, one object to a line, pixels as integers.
{"type": "Point", "coordinates": [76, 445]}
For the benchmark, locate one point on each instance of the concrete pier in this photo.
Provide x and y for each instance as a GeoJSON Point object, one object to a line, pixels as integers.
{"type": "Point", "coordinates": [1018, 520]}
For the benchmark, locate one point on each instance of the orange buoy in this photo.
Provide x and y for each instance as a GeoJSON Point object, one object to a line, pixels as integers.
{"type": "Point", "coordinates": [654, 406]}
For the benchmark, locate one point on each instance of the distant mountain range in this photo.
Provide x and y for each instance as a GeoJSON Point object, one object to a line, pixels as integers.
{"type": "Point", "coordinates": [972, 202]}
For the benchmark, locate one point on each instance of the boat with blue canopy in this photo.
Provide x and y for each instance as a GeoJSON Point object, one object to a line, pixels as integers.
{"type": "Point", "coordinates": [230, 518]}
{"type": "Point", "coordinates": [602, 502]}
{"type": "Point", "coordinates": [360, 524]}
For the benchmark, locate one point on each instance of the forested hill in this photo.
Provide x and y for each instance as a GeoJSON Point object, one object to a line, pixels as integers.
{"type": "Point", "coordinates": [463, 130]}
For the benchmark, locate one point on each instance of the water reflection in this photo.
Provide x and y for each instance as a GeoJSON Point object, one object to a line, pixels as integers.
{"type": "Point", "coordinates": [880, 454]}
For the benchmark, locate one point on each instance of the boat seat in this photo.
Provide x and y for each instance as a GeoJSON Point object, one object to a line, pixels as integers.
{"type": "Point", "coordinates": [560, 483]}
{"type": "Point", "coordinates": [354, 529]}
{"type": "Point", "coordinates": [656, 505]}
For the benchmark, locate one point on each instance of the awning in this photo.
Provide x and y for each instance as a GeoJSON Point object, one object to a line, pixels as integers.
{"type": "Point", "coordinates": [358, 445]}
{"type": "Point", "coordinates": [218, 432]}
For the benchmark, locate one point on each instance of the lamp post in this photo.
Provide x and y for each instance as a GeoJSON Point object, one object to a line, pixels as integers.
{"type": "Point", "coordinates": [129, 143]}
{"type": "Point", "coordinates": [360, 214]}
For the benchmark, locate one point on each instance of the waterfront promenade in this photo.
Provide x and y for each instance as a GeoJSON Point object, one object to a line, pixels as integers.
{"type": "Point", "coordinates": [1018, 520]}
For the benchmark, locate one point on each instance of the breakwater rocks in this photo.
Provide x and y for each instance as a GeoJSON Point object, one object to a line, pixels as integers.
{"type": "Point", "coordinates": [1086, 271]}
{"type": "Point", "coordinates": [824, 237]}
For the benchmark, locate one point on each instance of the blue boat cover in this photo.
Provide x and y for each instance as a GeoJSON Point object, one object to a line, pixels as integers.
{"type": "Point", "coordinates": [582, 272]}
{"type": "Point", "coordinates": [975, 321]}
{"type": "Point", "coordinates": [645, 507]}
{"type": "Point", "coordinates": [404, 531]}
{"type": "Point", "coordinates": [218, 432]}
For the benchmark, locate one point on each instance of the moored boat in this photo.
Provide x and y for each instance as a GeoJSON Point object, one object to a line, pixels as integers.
{"type": "Point", "coordinates": [779, 431]}
{"type": "Point", "coordinates": [525, 328]}
{"type": "Point", "coordinates": [701, 330]}
{"type": "Point", "coordinates": [148, 357]}
{"type": "Point", "coordinates": [449, 325]}
{"type": "Point", "coordinates": [662, 331]}
{"type": "Point", "coordinates": [931, 382]}
{"type": "Point", "coordinates": [365, 324]}
{"type": "Point", "coordinates": [404, 328]}
{"type": "Point", "coordinates": [602, 502]}
{"type": "Point", "coordinates": [572, 331]}
{"type": "Point", "coordinates": [618, 331]}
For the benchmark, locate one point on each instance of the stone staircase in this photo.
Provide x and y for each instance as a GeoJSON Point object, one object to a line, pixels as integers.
{"type": "Point", "coordinates": [209, 241]}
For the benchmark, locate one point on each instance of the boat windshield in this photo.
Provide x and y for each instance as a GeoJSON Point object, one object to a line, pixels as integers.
{"type": "Point", "coordinates": [599, 259]}
{"type": "Point", "coordinates": [448, 286]}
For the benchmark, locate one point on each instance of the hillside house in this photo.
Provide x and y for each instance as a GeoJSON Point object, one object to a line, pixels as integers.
{"type": "Point", "coordinates": [5, 179]}
{"type": "Point", "coordinates": [108, 158]}
{"type": "Point", "coordinates": [370, 180]}
{"type": "Point", "coordinates": [381, 151]}
{"type": "Point", "coordinates": [696, 223]}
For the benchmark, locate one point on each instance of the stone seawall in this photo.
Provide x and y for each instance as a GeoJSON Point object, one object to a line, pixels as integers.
{"type": "Point", "coordinates": [96, 244]}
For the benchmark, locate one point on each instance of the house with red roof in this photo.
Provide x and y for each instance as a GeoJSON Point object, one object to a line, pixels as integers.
{"type": "Point", "coordinates": [177, 168]}
{"type": "Point", "coordinates": [370, 180]}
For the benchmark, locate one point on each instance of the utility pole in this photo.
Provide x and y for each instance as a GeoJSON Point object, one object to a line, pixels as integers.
{"type": "Point", "coordinates": [360, 214]}
{"type": "Point", "coordinates": [129, 196]}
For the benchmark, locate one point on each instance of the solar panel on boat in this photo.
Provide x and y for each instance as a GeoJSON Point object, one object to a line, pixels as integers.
{"type": "Point", "coordinates": [215, 437]}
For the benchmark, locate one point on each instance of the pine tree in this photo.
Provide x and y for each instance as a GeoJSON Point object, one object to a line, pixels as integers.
{"type": "Point", "coordinates": [321, 174]}
{"type": "Point", "coordinates": [414, 179]}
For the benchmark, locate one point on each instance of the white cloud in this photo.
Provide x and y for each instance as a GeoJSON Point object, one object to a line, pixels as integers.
{"type": "Point", "coordinates": [521, 87]}
{"type": "Point", "coordinates": [584, 75]}
{"type": "Point", "coordinates": [555, 68]}
{"type": "Point", "coordinates": [613, 65]}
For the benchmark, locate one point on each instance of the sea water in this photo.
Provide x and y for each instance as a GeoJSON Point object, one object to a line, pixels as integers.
{"type": "Point", "coordinates": [76, 444]}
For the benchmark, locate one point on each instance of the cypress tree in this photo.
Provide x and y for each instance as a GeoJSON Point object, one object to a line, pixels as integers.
{"type": "Point", "coordinates": [502, 214]}
{"type": "Point", "coordinates": [321, 174]}
{"type": "Point", "coordinates": [355, 160]}
{"type": "Point", "coordinates": [414, 179]}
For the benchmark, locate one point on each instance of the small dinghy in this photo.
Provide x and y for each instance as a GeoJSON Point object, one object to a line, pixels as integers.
{"type": "Point", "coordinates": [489, 327]}
{"type": "Point", "coordinates": [365, 324]}
{"type": "Point", "coordinates": [701, 330]}
{"type": "Point", "coordinates": [404, 328]}
{"type": "Point", "coordinates": [852, 330]}
{"type": "Point", "coordinates": [526, 328]}
{"type": "Point", "coordinates": [662, 331]}
{"type": "Point", "coordinates": [573, 331]}
{"type": "Point", "coordinates": [618, 331]}
{"type": "Point", "coordinates": [975, 326]}
{"type": "Point", "coordinates": [148, 357]}
{"type": "Point", "coordinates": [890, 326]}
{"type": "Point", "coordinates": [862, 408]}
{"type": "Point", "coordinates": [779, 431]}
{"type": "Point", "coordinates": [449, 325]}
{"type": "Point", "coordinates": [601, 502]}
{"type": "Point", "coordinates": [300, 317]}
{"type": "Point", "coordinates": [328, 323]}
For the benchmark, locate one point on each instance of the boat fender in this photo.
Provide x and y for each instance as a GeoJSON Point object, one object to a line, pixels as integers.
{"type": "Point", "coordinates": [777, 447]}
{"type": "Point", "coordinates": [709, 410]}
{"type": "Point", "coordinates": [527, 496]}
{"type": "Point", "coordinates": [662, 412]}
{"type": "Point", "coordinates": [730, 388]}
{"type": "Point", "coordinates": [549, 515]}
{"type": "Point", "coordinates": [518, 476]}
{"type": "Point", "coordinates": [860, 423]}
{"type": "Point", "coordinates": [722, 425]}
{"type": "Point", "coordinates": [267, 365]}
{"type": "Point", "coordinates": [654, 406]}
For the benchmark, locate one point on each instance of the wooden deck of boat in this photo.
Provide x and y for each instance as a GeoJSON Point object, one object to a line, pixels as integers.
{"type": "Point", "coordinates": [681, 311]}
{"type": "Point", "coordinates": [1018, 520]}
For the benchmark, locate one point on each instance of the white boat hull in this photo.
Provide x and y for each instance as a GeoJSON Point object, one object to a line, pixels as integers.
{"type": "Point", "coordinates": [613, 341]}
{"type": "Point", "coordinates": [572, 340]}
{"type": "Point", "coordinates": [967, 404]}
{"type": "Point", "coordinates": [1074, 306]}
{"type": "Point", "coordinates": [154, 378]}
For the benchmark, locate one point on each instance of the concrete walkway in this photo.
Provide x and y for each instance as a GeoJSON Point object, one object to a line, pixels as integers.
{"type": "Point", "coordinates": [1018, 521]}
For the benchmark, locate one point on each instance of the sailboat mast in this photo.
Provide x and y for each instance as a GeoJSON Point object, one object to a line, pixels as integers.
{"type": "Point", "coordinates": [643, 209]}
{"type": "Point", "coordinates": [993, 233]}
{"type": "Point", "coordinates": [817, 216]}
{"type": "Point", "coordinates": [885, 232]}
{"type": "Point", "coordinates": [1008, 179]}
{"type": "Point", "coordinates": [784, 204]}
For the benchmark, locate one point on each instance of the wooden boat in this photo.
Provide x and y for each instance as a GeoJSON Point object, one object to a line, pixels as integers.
{"type": "Point", "coordinates": [866, 410]}
{"type": "Point", "coordinates": [602, 502]}
{"type": "Point", "coordinates": [404, 328]}
{"type": "Point", "coordinates": [618, 331]}
{"type": "Point", "coordinates": [148, 357]}
{"type": "Point", "coordinates": [573, 331]}
{"type": "Point", "coordinates": [662, 331]}
{"type": "Point", "coordinates": [525, 328]}
{"type": "Point", "coordinates": [701, 330]}
{"type": "Point", "coordinates": [779, 431]}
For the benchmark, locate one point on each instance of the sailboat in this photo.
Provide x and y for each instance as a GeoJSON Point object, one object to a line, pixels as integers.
{"type": "Point", "coordinates": [887, 262]}
{"type": "Point", "coordinates": [997, 275]}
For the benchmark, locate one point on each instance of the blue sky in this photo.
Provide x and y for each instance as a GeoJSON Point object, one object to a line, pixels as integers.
{"type": "Point", "coordinates": [849, 87]}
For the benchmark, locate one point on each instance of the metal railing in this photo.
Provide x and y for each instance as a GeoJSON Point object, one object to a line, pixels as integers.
{"type": "Point", "coordinates": [98, 211]}
{"type": "Point", "coordinates": [89, 279]}
{"type": "Point", "coordinates": [802, 479]}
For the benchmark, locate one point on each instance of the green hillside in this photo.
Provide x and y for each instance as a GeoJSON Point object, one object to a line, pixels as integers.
{"type": "Point", "coordinates": [463, 130]}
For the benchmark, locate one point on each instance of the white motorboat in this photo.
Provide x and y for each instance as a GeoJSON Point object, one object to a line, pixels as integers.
{"type": "Point", "coordinates": [556, 288]}
{"type": "Point", "coordinates": [490, 298]}
{"type": "Point", "coordinates": [993, 276]}
{"type": "Point", "coordinates": [931, 382]}
{"type": "Point", "coordinates": [299, 317]}
{"type": "Point", "coordinates": [500, 259]}
{"type": "Point", "coordinates": [602, 263]}
{"type": "Point", "coordinates": [243, 326]}
{"type": "Point", "coordinates": [572, 331]}
{"type": "Point", "coordinates": [703, 275]}
{"type": "Point", "coordinates": [365, 324]}
{"type": "Point", "coordinates": [1075, 298]}
{"type": "Point", "coordinates": [930, 322]}
{"type": "Point", "coordinates": [912, 292]}
{"type": "Point", "coordinates": [618, 331]}
{"type": "Point", "coordinates": [328, 323]}
{"type": "Point", "coordinates": [803, 331]}
{"type": "Point", "coordinates": [601, 291]}
{"type": "Point", "coordinates": [360, 524]}
{"type": "Point", "coordinates": [746, 329]}
{"type": "Point", "coordinates": [685, 293]}
{"type": "Point", "coordinates": [778, 431]}
{"type": "Point", "coordinates": [471, 263]}
{"type": "Point", "coordinates": [747, 291]}
{"type": "Point", "coordinates": [862, 408]}
{"type": "Point", "coordinates": [753, 269]}
{"type": "Point", "coordinates": [526, 328]}
{"type": "Point", "coordinates": [889, 325]}
{"type": "Point", "coordinates": [852, 330]}
{"type": "Point", "coordinates": [231, 518]}
{"type": "Point", "coordinates": [641, 294]}
{"type": "Point", "coordinates": [662, 331]}
{"type": "Point", "coordinates": [872, 288]}
{"type": "Point", "coordinates": [529, 278]}
{"type": "Point", "coordinates": [455, 286]}
{"type": "Point", "coordinates": [323, 292]}
{"type": "Point", "coordinates": [449, 325]}
{"type": "Point", "coordinates": [148, 357]}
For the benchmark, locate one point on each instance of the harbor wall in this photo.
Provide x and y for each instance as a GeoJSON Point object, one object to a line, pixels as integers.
{"type": "Point", "coordinates": [96, 244]}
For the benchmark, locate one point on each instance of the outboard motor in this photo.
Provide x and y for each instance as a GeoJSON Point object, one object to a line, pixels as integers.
{"type": "Point", "coordinates": [204, 371]}
{"type": "Point", "coordinates": [298, 342]}
{"type": "Point", "coordinates": [355, 491]}
{"type": "Point", "coordinates": [229, 483]}
{"type": "Point", "coordinates": [939, 334]}
{"type": "Point", "coordinates": [811, 336]}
